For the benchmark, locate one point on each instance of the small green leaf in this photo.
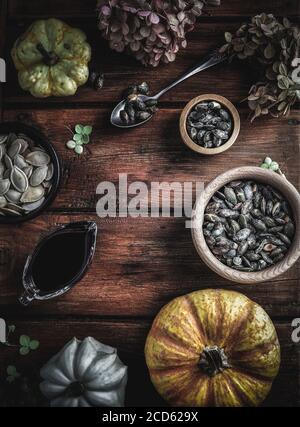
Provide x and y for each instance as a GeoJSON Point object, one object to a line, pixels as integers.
{"type": "Point", "coordinates": [283, 69]}
{"type": "Point", "coordinates": [71, 145]}
{"type": "Point", "coordinates": [77, 137]}
{"type": "Point", "coordinates": [274, 166]}
{"type": "Point", "coordinates": [85, 139]}
{"type": "Point", "coordinates": [87, 130]}
{"type": "Point", "coordinates": [264, 166]}
{"type": "Point", "coordinates": [11, 370]}
{"type": "Point", "coordinates": [78, 149]}
{"type": "Point", "coordinates": [11, 328]}
{"type": "Point", "coordinates": [268, 160]}
{"type": "Point", "coordinates": [79, 129]}
{"type": "Point", "coordinates": [24, 351]}
{"type": "Point", "coordinates": [24, 341]}
{"type": "Point", "coordinates": [34, 345]}
{"type": "Point", "coordinates": [283, 82]}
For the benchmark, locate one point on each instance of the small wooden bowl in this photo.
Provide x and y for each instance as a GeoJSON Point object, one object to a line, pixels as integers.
{"type": "Point", "coordinates": [235, 117]}
{"type": "Point", "coordinates": [260, 175]}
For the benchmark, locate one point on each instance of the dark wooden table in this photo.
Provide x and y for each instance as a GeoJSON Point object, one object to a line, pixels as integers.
{"type": "Point", "coordinates": [140, 264]}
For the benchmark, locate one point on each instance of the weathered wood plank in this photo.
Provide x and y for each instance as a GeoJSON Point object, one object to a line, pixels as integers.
{"type": "Point", "coordinates": [139, 265]}
{"type": "Point", "coordinates": [3, 20]}
{"type": "Point", "coordinates": [129, 337]}
{"type": "Point", "coordinates": [153, 152]}
{"type": "Point", "coordinates": [44, 8]}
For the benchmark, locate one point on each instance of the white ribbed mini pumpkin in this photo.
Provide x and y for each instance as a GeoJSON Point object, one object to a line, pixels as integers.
{"type": "Point", "coordinates": [85, 373]}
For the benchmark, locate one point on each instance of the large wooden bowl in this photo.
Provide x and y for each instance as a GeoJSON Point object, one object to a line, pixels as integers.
{"type": "Point", "coordinates": [263, 176]}
{"type": "Point", "coordinates": [198, 148]}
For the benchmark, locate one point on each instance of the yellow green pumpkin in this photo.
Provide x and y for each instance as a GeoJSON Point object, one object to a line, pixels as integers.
{"type": "Point", "coordinates": [213, 348]}
{"type": "Point", "coordinates": [52, 59]}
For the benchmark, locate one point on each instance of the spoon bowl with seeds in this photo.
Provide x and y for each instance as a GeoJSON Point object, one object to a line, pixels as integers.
{"type": "Point", "coordinates": [29, 172]}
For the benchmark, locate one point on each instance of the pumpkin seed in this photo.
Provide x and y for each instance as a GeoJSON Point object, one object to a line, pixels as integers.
{"type": "Point", "coordinates": [3, 202]}
{"type": "Point", "coordinates": [24, 145]}
{"type": "Point", "coordinates": [6, 174]}
{"type": "Point", "coordinates": [29, 207]}
{"type": "Point", "coordinates": [228, 213]}
{"type": "Point", "coordinates": [13, 196]}
{"type": "Point", "coordinates": [14, 149]}
{"type": "Point", "coordinates": [38, 176]}
{"type": "Point", "coordinates": [289, 230]}
{"type": "Point", "coordinates": [243, 234]}
{"type": "Point", "coordinates": [9, 212]}
{"type": "Point", "coordinates": [11, 138]}
{"type": "Point", "coordinates": [2, 169]}
{"type": "Point", "coordinates": [19, 179]}
{"type": "Point", "coordinates": [284, 239]}
{"type": "Point", "coordinates": [38, 158]}
{"type": "Point", "coordinates": [276, 209]}
{"type": "Point", "coordinates": [14, 207]}
{"type": "Point", "coordinates": [230, 195]}
{"type": "Point", "coordinates": [259, 224]}
{"type": "Point", "coordinates": [8, 162]}
{"type": "Point", "coordinates": [48, 185]}
{"type": "Point", "coordinates": [28, 171]}
{"type": "Point", "coordinates": [243, 247]}
{"type": "Point", "coordinates": [20, 161]}
{"type": "Point", "coordinates": [2, 151]}
{"type": "Point", "coordinates": [4, 186]}
{"type": "Point", "coordinates": [33, 194]}
{"type": "Point", "coordinates": [3, 139]}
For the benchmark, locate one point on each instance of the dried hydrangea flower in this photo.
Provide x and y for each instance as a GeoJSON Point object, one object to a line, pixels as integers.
{"type": "Point", "coordinates": [273, 48]}
{"type": "Point", "coordinates": [151, 30]}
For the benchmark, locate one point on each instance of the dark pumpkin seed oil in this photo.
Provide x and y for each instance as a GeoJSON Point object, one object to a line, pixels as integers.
{"type": "Point", "coordinates": [59, 260]}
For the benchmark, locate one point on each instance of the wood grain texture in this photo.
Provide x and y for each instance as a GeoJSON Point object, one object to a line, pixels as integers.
{"type": "Point", "coordinates": [268, 178]}
{"type": "Point", "coordinates": [139, 265]}
{"type": "Point", "coordinates": [3, 21]}
{"type": "Point", "coordinates": [156, 148]}
{"type": "Point", "coordinates": [228, 8]}
{"type": "Point", "coordinates": [129, 337]}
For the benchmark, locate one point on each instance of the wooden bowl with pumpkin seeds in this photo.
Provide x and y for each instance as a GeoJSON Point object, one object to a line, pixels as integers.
{"type": "Point", "coordinates": [209, 124]}
{"type": "Point", "coordinates": [29, 172]}
{"type": "Point", "coordinates": [264, 247]}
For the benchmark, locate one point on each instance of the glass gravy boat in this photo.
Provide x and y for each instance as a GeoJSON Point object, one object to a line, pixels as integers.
{"type": "Point", "coordinates": [59, 261]}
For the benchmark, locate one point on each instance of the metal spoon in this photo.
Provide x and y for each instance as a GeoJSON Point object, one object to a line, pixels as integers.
{"type": "Point", "coordinates": [212, 59]}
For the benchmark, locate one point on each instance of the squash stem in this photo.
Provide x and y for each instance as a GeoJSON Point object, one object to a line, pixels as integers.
{"type": "Point", "coordinates": [50, 58]}
{"type": "Point", "coordinates": [213, 360]}
{"type": "Point", "coordinates": [75, 389]}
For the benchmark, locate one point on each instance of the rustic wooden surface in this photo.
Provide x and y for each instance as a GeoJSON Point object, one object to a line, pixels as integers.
{"type": "Point", "coordinates": [140, 264]}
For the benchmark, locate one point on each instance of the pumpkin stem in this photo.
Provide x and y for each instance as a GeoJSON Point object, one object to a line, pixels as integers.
{"type": "Point", "coordinates": [75, 389]}
{"type": "Point", "coordinates": [213, 360]}
{"type": "Point", "coordinates": [50, 58]}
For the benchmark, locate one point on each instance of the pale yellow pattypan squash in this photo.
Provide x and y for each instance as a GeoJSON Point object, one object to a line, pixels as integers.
{"type": "Point", "coordinates": [52, 59]}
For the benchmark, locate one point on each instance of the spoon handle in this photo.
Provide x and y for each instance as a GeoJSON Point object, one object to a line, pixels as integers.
{"type": "Point", "coordinates": [208, 61]}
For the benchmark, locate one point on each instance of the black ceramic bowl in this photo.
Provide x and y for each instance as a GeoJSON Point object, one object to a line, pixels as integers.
{"type": "Point", "coordinates": [40, 139]}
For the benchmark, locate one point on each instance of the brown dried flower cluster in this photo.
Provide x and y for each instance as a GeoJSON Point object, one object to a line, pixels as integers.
{"type": "Point", "coordinates": [151, 30]}
{"type": "Point", "coordinates": [274, 49]}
